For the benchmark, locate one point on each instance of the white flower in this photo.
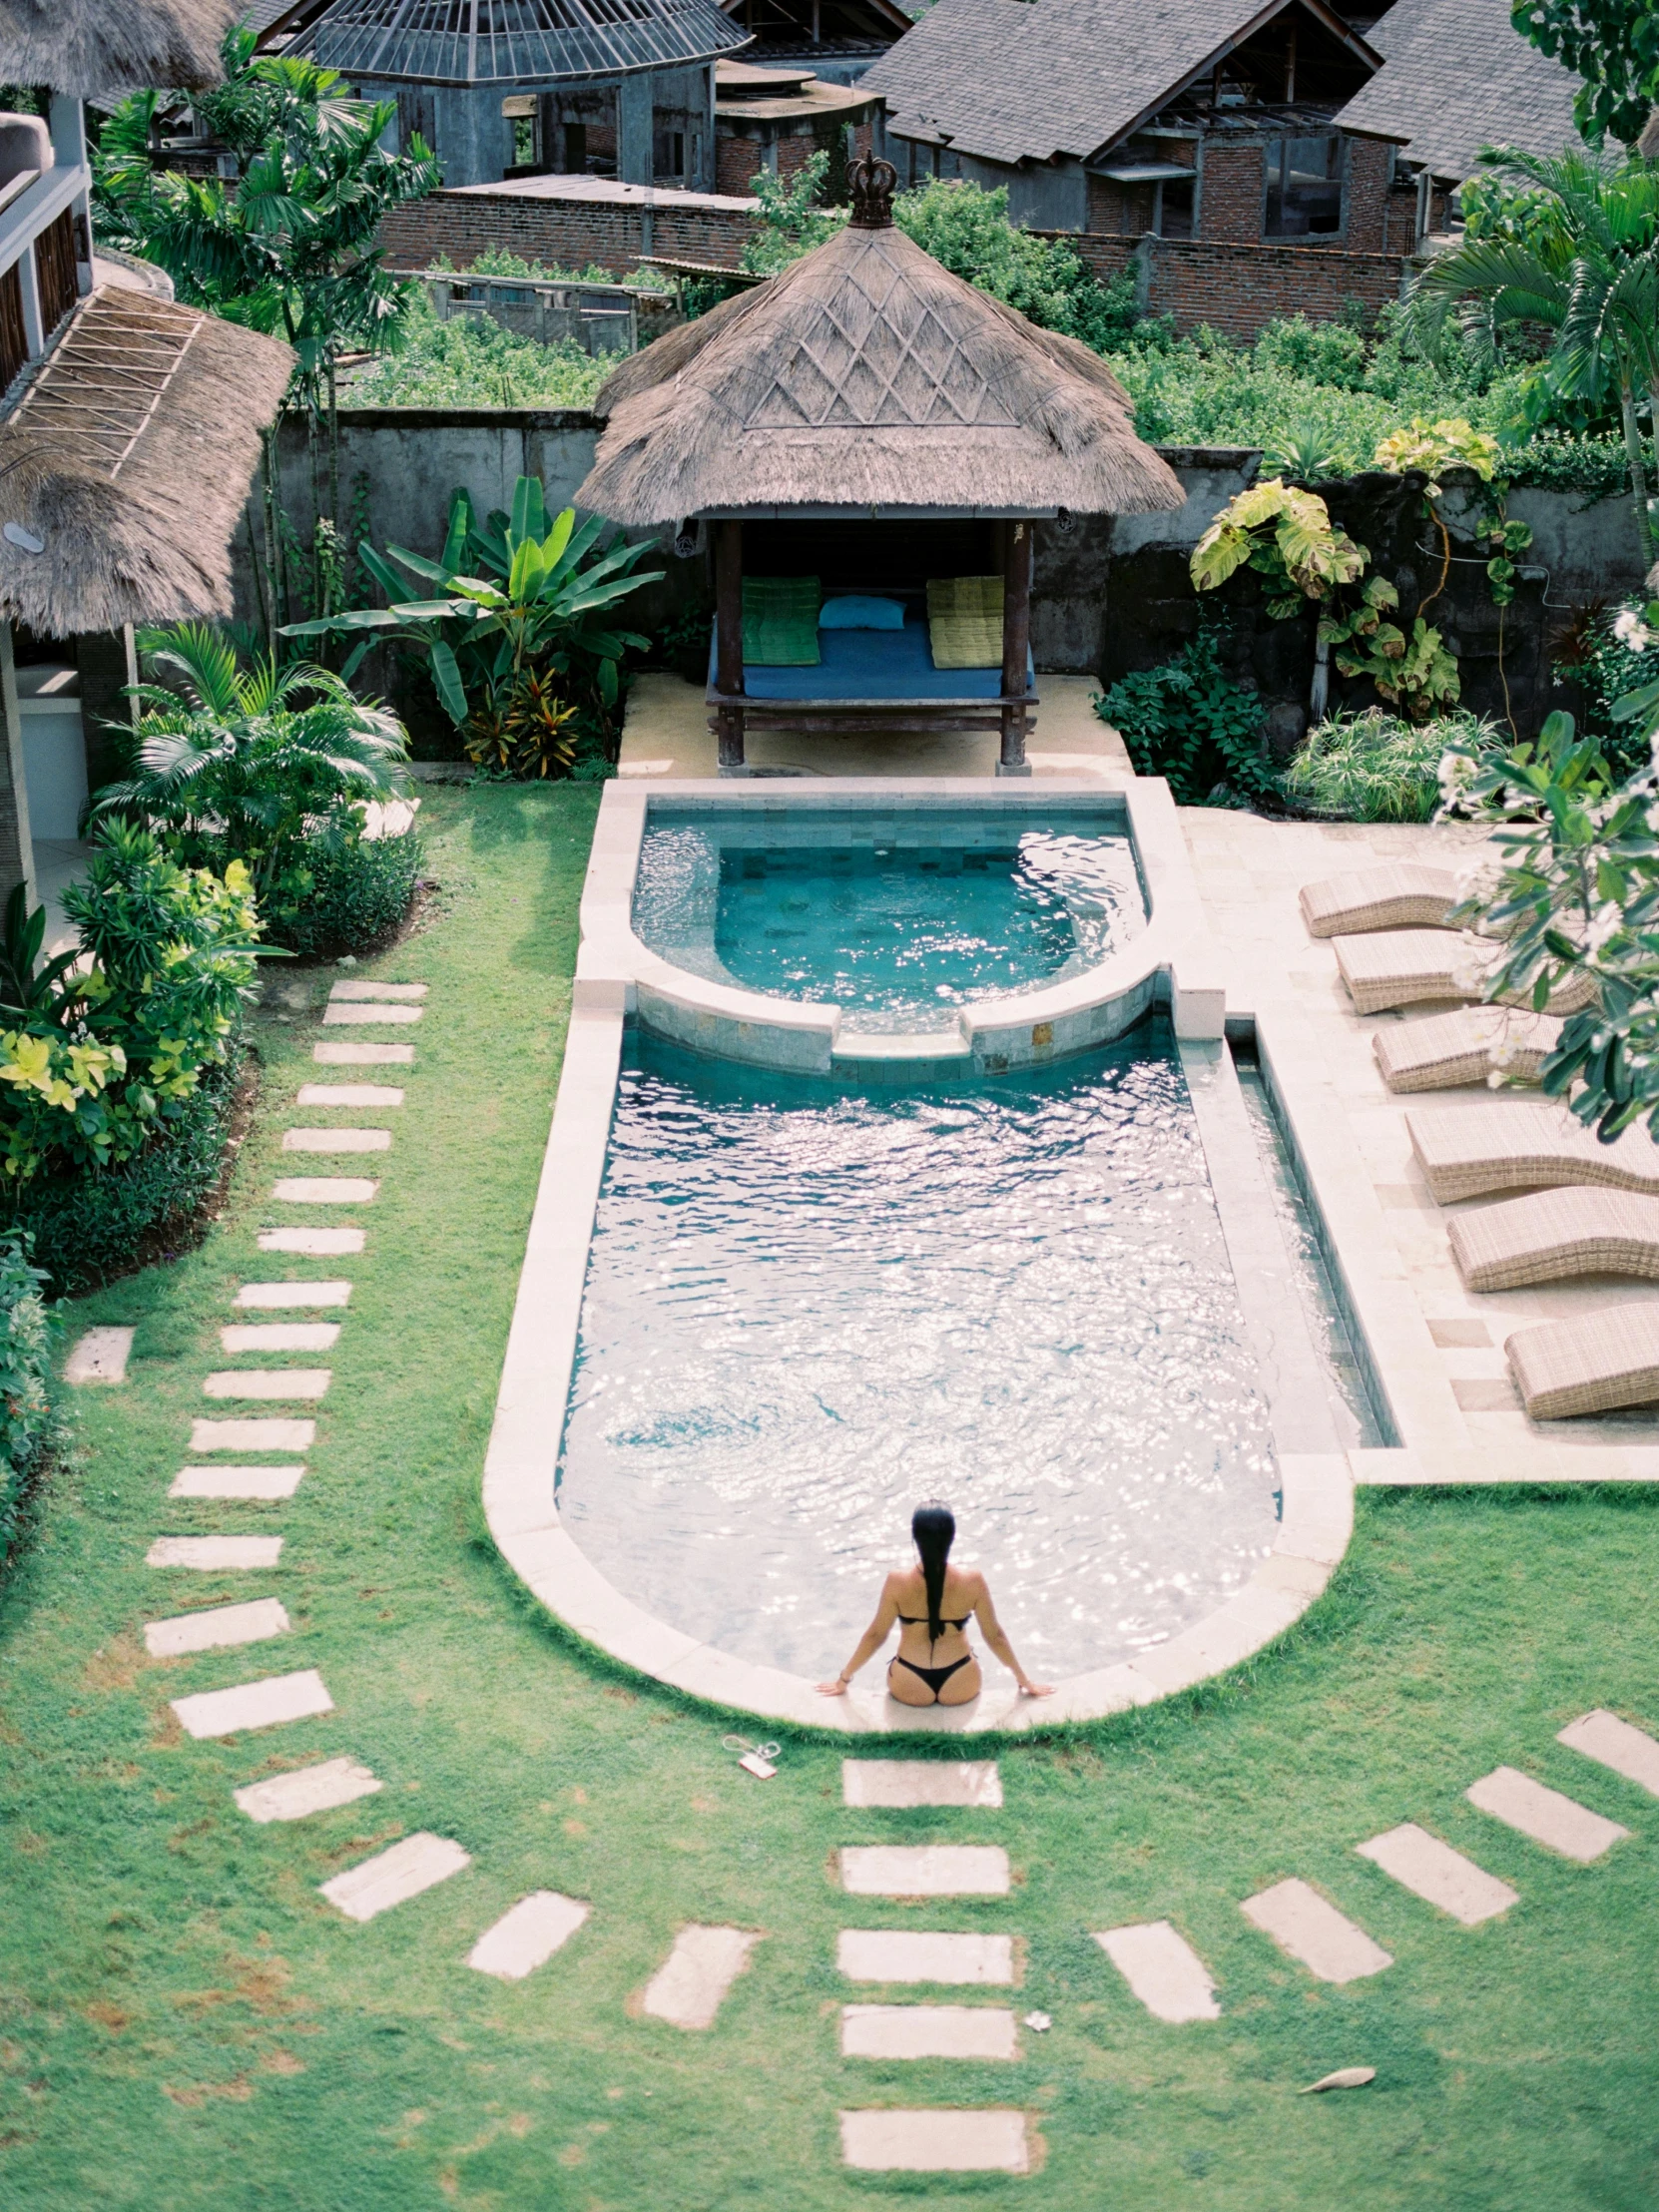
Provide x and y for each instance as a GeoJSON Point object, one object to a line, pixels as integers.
{"type": "Point", "coordinates": [1481, 877]}
{"type": "Point", "coordinates": [1469, 966]}
{"type": "Point", "coordinates": [1607, 922]}
{"type": "Point", "coordinates": [1631, 630]}
{"type": "Point", "coordinates": [1456, 774]}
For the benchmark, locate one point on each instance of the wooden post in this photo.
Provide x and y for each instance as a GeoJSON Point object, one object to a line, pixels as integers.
{"type": "Point", "coordinates": [1016, 640]}
{"type": "Point", "coordinates": [729, 640]}
{"type": "Point", "coordinates": [17, 852]}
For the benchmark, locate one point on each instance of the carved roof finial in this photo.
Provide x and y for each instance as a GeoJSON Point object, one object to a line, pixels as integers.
{"type": "Point", "coordinates": [873, 182]}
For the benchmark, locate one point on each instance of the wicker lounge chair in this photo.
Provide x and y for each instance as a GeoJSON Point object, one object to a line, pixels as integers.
{"type": "Point", "coordinates": [1403, 896]}
{"type": "Point", "coordinates": [1555, 1234]}
{"type": "Point", "coordinates": [1404, 968]}
{"type": "Point", "coordinates": [1468, 1151]}
{"type": "Point", "coordinates": [1441, 1050]}
{"type": "Point", "coordinates": [1592, 1364]}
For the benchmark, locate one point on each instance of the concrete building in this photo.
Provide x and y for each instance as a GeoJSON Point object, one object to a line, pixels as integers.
{"type": "Point", "coordinates": [838, 40]}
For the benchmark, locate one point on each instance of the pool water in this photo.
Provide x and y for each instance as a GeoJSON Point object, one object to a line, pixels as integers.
{"type": "Point", "coordinates": [898, 922]}
{"type": "Point", "coordinates": [808, 1309]}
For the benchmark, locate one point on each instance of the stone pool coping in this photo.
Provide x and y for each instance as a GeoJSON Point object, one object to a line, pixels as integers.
{"type": "Point", "coordinates": [618, 977]}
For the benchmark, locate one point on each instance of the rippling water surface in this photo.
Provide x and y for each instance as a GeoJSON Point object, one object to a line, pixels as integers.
{"type": "Point", "coordinates": [808, 1309]}
{"type": "Point", "coordinates": [898, 933]}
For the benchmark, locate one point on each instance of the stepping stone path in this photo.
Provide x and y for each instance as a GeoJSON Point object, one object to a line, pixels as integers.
{"type": "Point", "coordinates": [1613, 1742]}
{"type": "Point", "coordinates": [891, 1955]}
{"type": "Point", "coordinates": [1315, 1933]}
{"type": "Point", "coordinates": [1422, 1863]}
{"type": "Point", "coordinates": [1558, 1823]}
{"type": "Point", "coordinates": [265, 1298]}
{"type": "Point", "coordinates": [101, 1356]}
{"type": "Point", "coordinates": [347, 993]}
{"type": "Point", "coordinates": [928, 2032]}
{"type": "Point", "coordinates": [375, 1885]}
{"type": "Point", "coordinates": [268, 1382]}
{"type": "Point", "coordinates": [252, 1435]}
{"type": "Point", "coordinates": [313, 1244]}
{"type": "Point", "coordinates": [1163, 1970]}
{"type": "Point", "coordinates": [307, 1790]}
{"type": "Point", "coordinates": [935, 2143]}
{"type": "Point", "coordinates": [337, 1140]}
{"type": "Point", "coordinates": [350, 1094]}
{"type": "Point", "coordinates": [212, 1553]}
{"type": "Point", "coordinates": [216, 1628]}
{"type": "Point", "coordinates": [267, 1704]}
{"type": "Point", "coordinates": [528, 1936]}
{"type": "Point", "coordinates": [254, 1483]}
{"type": "Point", "coordinates": [325, 1190]}
{"type": "Point", "coordinates": [340, 1015]}
{"type": "Point", "coordinates": [906, 1782]}
{"type": "Point", "coordinates": [281, 1335]}
{"type": "Point", "coordinates": [924, 1871]}
{"type": "Point", "coordinates": [687, 1989]}
{"type": "Point", "coordinates": [333, 1052]}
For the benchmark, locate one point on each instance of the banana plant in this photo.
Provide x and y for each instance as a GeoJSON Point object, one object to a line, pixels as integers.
{"type": "Point", "coordinates": [518, 593]}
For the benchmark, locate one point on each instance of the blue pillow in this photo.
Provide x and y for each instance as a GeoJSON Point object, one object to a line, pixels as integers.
{"type": "Point", "coordinates": [855, 612]}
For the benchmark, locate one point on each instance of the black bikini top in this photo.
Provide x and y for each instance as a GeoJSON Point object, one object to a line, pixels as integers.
{"type": "Point", "coordinates": [919, 1620]}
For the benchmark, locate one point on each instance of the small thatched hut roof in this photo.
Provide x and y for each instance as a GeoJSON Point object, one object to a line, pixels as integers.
{"type": "Point", "coordinates": [868, 377]}
{"type": "Point", "coordinates": [91, 46]}
{"type": "Point", "coordinates": [127, 464]}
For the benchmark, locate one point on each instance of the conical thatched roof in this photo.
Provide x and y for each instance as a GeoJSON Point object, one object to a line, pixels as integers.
{"type": "Point", "coordinates": [867, 375]}
{"type": "Point", "coordinates": [91, 46]}
{"type": "Point", "coordinates": [128, 461]}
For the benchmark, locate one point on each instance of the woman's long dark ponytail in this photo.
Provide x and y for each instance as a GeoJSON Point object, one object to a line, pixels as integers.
{"type": "Point", "coordinates": [934, 1529]}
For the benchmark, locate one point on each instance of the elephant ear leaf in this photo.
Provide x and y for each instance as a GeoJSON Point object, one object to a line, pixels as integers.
{"type": "Point", "coordinates": [447, 676]}
{"type": "Point", "coordinates": [529, 511]}
{"type": "Point", "coordinates": [455, 537]}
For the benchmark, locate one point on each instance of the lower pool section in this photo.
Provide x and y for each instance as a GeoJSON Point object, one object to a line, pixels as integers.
{"type": "Point", "coordinates": [809, 1307]}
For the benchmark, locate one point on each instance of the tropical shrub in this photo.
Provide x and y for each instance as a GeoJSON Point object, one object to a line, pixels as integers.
{"type": "Point", "coordinates": [1375, 767]}
{"type": "Point", "coordinates": [361, 890]}
{"type": "Point", "coordinates": [28, 1411]}
{"type": "Point", "coordinates": [473, 361]}
{"type": "Point", "coordinates": [967, 229]}
{"type": "Point", "coordinates": [1188, 721]}
{"type": "Point", "coordinates": [1614, 652]}
{"type": "Point", "coordinates": [264, 767]}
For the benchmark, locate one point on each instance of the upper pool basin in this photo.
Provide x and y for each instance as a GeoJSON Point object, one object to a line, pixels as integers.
{"type": "Point", "coordinates": [901, 918]}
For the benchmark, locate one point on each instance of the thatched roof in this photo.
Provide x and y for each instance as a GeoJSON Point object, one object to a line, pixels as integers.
{"type": "Point", "coordinates": [128, 461]}
{"type": "Point", "coordinates": [90, 46]}
{"type": "Point", "coordinates": [867, 375]}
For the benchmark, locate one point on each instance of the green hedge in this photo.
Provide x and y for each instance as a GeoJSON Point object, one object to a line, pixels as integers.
{"type": "Point", "coordinates": [360, 894]}
{"type": "Point", "coordinates": [28, 1412]}
{"type": "Point", "coordinates": [91, 1227]}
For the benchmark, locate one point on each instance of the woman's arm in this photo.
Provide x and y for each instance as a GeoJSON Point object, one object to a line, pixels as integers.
{"type": "Point", "coordinates": [984, 1613]}
{"type": "Point", "coordinates": [870, 1642]}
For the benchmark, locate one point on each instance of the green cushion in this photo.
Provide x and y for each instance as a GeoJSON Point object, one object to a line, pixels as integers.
{"type": "Point", "coordinates": [964, 621]}
{"type": "Point", "coordinates": [779, 621]}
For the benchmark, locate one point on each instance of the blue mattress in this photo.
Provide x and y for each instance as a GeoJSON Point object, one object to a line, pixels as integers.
{"type": "Point", "coordinates": [872, 664]}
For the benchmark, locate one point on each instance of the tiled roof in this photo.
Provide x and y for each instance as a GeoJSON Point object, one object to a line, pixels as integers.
{"type": "Point", "coordinates": [1457, 77]}
{"type": "Point", "coordinates": [1021, 80]}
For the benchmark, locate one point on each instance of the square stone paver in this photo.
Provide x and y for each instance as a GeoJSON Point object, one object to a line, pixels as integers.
{"type": "Point", "coordinates": [924, 1871]}
{"type": "Point", "coordinates": [337, 1140]}
{"type": "Point", "coordinates": [1431, 1870]}
{"type": "Point", "coordinates": [687, 1986]}
{"type": "Point", "coordinates": [308, 1790]}
{"type": "Point", "coordinates": [1163, 1970]}
{"type": "Point", "coordinates": [325, 1190]}
{"type": "Point", "coordinates": [354, 1053]}
{"type": "Point", "coordinates": [269, 1297]}
{"type": "Point", "coordinates": [265, 1704]}
{"type": "Point", "coordinates": [252, 1435]}
{"type": "Point", "coordinates": [1558, 1823]}
{"type": "Point", "coordinates": [313, 1244]}
{"type": "Point", "coordinates": [928, 2032]}
{"type": "Point", "coordinates": [100, 1355]}
{"type": "Point", "coordinates": [904, 1954]}
{"type": "Point", "coordinates": [216, 1628]}
{"type": "Point", "coordinates": [935, 2143]}
{"type": "Point", "coordinates": [280, 1336]}
{"type": "Point", "coordinates": [350, 1094]}
{"type": "Point", "coordinates": [212, 1553]}
{"type": "Point", "coordinates": [1613, 1742]}
{"type": "Point", "coordinates": [261, 1483]}
{"type": "Point", "coordinates": [338, 1014]}
{"type": "Point", "coordinates": [359, 990]}
{"type": "Point", "coordinates": [1315, 1933]}
{"type": "Point", "coordinates": [528, 1936]}
{"type": "Point", "coordinates": [268, 1382]}
{"type": "Point", "coordinates": [902, 1782]}
{"type": "Point", "coordinates": [393, 1877]}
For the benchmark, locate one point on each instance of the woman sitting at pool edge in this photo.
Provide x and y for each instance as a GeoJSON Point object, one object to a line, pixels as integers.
{"type": "Point", "coordinates": [933, 1602]}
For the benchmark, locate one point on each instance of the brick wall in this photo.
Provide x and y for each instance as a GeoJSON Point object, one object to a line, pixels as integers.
{"type": "Point", "coordinates": [1230, 192]}
{"type": "Point", "coordinates": [565, 234]}
{"type": "Point", "coordinates": [1236, 289]}
{"type": "Point", "coordinates": [736, 161]}
{"type": "Point", "coordinates": [1370, 168]}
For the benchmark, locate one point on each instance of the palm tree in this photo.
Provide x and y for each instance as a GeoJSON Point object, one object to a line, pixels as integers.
{"type": "Point", "coordinates": [252, 763]}
{"type": "Point", "coordinates": [1581, 259]}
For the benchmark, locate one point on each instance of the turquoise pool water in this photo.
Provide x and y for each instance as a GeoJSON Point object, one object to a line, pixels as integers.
{"type": "Point", "coordinates": [899, 920]}
{"type": "Point", "coordinates": [809, 1307]}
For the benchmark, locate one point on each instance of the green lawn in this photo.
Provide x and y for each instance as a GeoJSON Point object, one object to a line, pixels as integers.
{"type": "Point", "coordinates": [183, 2022]}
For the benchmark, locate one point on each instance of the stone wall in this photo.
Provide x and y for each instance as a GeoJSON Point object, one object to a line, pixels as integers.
{"type": "Point", "coordinates": [1238, 288]}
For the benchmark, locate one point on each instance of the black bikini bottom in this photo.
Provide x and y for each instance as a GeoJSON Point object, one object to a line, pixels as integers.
{"type": "Point", "coordinates": [934, 1677]}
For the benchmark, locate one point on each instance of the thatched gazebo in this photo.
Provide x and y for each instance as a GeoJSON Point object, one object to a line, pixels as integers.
{"type": "Point", "coordinates": [871, 417]}
{"type": "Point", "coordinates": [105, 46]}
